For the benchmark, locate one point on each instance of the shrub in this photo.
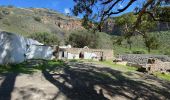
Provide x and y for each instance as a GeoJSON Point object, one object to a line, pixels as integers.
{"type": "Point", "coordinates": [46, 38]}
{"type": "Point", "coordinates": [139, 52]}
{"type": "Point", "coordinates": [5, 12]}
{"type": "Point", "coordinates": [38, 19]}
{"type": "Point", "coordinates": [93, 40]}
{"type": "Point", "coordinates": [6, 22]}
{"type": "Point", "coordinates": [1, 15]}
{"type": "Point", "coordinates": [167, 52]}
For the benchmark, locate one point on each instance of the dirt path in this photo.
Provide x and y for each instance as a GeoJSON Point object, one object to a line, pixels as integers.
{"type": "Point", "coordinates": [80, 81]}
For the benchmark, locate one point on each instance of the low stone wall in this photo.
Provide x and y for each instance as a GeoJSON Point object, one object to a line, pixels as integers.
{"type": "Point", "coordinates": [158, 66]}
{"type": "Point", "coordinates": [143, 58]}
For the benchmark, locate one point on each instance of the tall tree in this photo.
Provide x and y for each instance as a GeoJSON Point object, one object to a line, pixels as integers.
{"type": "Point", "coordinates": [101, 10]}
{"type": "Point", "coordinates": [151, 42]}
{"type": "Point", "coordinates": [126, 22]}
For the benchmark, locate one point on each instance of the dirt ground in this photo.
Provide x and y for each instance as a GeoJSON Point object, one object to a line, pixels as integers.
{"type": "Point", "coordinates": [83, 81]}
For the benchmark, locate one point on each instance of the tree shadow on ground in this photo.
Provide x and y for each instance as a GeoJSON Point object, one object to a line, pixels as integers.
{"type": "Point", "coordinates": [81, 81]}
{"type": "Point", "coordinates": [9, 73]}
{"type": "Point", "coordinates": [7, 86]}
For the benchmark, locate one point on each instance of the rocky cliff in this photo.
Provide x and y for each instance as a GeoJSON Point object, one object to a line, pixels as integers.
{"type": "Point", "coordinates": [30, 20]}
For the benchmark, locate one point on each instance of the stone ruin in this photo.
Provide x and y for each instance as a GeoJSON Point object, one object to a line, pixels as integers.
{"type": "Point", "coordinates": [145, 62]}
{"type": "Point", "coordinates": [154, 65]}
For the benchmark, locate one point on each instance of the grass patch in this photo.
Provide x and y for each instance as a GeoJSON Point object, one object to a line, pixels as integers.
{"type": "Point", "coordinates": [117, 66]}
{"type": "Point", "coordinates": [162, 76]}
{"type": "Point", "coordinates": [30, 67]}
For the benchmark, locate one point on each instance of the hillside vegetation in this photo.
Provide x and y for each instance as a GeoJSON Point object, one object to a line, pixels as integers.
{"type": "Point", "coordinates": [138, 45]}
{"type": "Point", "coordinates": [57, 28]}
{"type": "Point", "coordinates": [26, 21]}
{"type": "Point", "coordinates": [48, 26]}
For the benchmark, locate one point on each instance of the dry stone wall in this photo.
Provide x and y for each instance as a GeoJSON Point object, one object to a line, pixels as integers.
{"type": "Point", "coordinates": [143, 58]}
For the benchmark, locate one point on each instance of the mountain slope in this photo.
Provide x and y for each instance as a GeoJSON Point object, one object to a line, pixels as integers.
{"type": "Point", "coordinates": [26, 21]}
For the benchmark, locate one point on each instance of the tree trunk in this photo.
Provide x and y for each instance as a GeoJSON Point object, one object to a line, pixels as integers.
{"type": "Point", "coordinates": [100, 28]}
{"type": "Point", "coordinates": [130, 46]}
{"type": "Point", "coordinates": [149, 50]}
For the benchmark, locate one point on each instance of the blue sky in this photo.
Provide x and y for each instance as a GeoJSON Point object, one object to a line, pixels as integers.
{"type": "Point", "coordinates": [58, 5]}
{"type": "Point", "coordinates": [61, 6]}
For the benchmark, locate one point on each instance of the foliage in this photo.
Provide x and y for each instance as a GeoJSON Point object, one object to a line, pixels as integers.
{"type": "Point", "coordinates": [119, 41]}
{"type": "Point", "coordinates": [29, 68]}
{"type": "Point", "coordinates": [139, 52]}
{"type": "Point", "coordinates": [162, 76]}
{"type": "Point", "coordinates": [101, 10]}
{"type": "Point", "coordinates": [82, 38]}
{"type": "Point", "coordinates": [151, 42]}
{"type": "Point", "coordinates": [163, 13]}
{"type": "Point", "coordinates": [1, 15]}
{"type": "Point", "coordinates": [138, 44]}
{"type": "Point", "coordinates": [126, 22]}
{"type": "Point", "coordinates": [6, 12]}
{"type": "Point", "coordinates": [38, 19]}
{"type": "Point", "coordinates": [46, 38]}
{"type": "Point", "coordinates": [167, 52]}
{"type": "Point", "coordinates": [93, 40]}
{"type": "Point", "coordinates": [6, 22]}
{"type": "Point", "coordinates": [147, 24]}
{"type": "Point", "coordinates": [125, 19]}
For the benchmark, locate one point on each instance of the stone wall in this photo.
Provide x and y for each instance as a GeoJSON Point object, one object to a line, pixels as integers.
{"type": "Point", "coordinates": [143, 58]}
{"type": "Point", "coordinates": [158, 66]}
{"type": "Point", "coordinates": [108, 54]}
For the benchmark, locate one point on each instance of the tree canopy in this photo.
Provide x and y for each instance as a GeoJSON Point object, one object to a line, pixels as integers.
{"type": "Point", "coordinates": [101, 10]}
{"type": "Point", "coordinates": [86, 38]}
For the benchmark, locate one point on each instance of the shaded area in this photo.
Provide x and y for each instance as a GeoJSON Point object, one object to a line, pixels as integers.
{"type": "Point", "coordinates": [30, 66]}
{"type": "Point", "coordinates": [7, 86]}
{"type": "Point", "coordinates": [79, 81]}
{"type": "Point", "coordinates": [8, 74]}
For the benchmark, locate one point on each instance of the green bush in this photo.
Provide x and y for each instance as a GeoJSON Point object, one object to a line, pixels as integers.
{"type": "Point", "coordinates": [6, 22]}
{"type": "Point", "coordinates": [87, 38]}
{"type": "Point", "coordinates": [139, 52]}
{"type": "Point", "coordinates": [38, 19]}
{"type": "Point", "coordinates": [1, 15]}
{"type": "Point", "coordinates": [167, 52]}
{"type": "Point", "coordinates": [5, 12]}
{"type": "Point", "coordinates": [45, 38]}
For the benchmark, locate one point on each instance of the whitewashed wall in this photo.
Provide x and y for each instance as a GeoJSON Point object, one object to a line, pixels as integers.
{"type": "Point", "coordinates": [39, 52]}
{"type": "Point", "coordinates": [88, 55]}
{"type": "Point", "coordinates": [72, 56]}
{"type": "Point", "coordinates": [13, 49]}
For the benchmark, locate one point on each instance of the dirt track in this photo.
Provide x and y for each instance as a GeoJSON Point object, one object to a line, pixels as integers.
{"type": "Point", "coordinates": [80, 81]}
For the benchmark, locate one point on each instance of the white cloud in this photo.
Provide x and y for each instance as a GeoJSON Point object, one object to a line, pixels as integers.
{"type": "Point", "coordinates": [66, 10]}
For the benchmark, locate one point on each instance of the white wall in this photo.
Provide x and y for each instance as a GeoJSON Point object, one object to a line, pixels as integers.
{"type": "Point", "coordinates": [72, 56]}
{"type": "Point", "coordinates": [13, 49]}
{"type": "Point", "coordinates": [88, 55]}
{"type": "Point", "coordinates": [39, 52]}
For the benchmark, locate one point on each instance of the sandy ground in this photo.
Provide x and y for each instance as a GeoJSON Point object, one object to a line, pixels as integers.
{"type": "Point", "coordinates": [82, 81]}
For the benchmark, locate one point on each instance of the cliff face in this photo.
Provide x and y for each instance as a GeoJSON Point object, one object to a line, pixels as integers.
{"type": "Point", "coordinates": [69, 24]}
{"type": "Point", "coordinates": [26, 21]}
{"type": "Point", "coordinates": [109, 26]}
